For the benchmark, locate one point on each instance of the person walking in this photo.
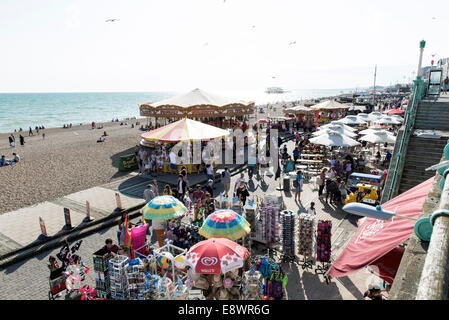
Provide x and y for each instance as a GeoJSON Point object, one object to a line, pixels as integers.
{"type": "Point", "coordinates": [22, 140]}
{"type": "Point", "coordinates": [446, 85]}
{"type": "Point", "coordinates": [242, 193]}
{"type": "Point", "coordinates": [210, 174]}
{"type": "Point", "coordinates": [299, 181]}
{"type": "Point", "coordinates": [321, 183]}
{"type": "Point", "coordinates": [30, 132]}
{"type": "Point", "coordinates": [226, 180]}
{"type": "Point", "coordinates": [182, 187]}
{"type": "Point", "coordinates": [148, 193]}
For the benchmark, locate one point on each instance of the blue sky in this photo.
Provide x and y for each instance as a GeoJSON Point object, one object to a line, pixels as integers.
{"type": "Point", "coordinates": [176, 45]}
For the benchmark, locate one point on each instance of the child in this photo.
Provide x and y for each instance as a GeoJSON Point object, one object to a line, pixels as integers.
{"type": "Point", "coordinates": [312, 210]}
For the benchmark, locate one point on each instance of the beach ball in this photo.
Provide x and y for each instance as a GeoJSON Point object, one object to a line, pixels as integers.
{"type": "Point", "coordinates": [179, 262]}
{"type": "Point", "coordinates": [164, 261]}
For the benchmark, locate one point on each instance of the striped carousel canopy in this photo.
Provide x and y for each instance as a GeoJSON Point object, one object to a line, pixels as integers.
{"type": "Point", "coordinates": [185, 130]}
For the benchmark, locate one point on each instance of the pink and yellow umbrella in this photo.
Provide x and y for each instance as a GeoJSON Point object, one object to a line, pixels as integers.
{"type": "Point", "coordinates": [185, 130]}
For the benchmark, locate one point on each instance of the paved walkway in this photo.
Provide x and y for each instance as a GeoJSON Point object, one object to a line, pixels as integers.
{"type": "Point", "coordinates": [28, 279]}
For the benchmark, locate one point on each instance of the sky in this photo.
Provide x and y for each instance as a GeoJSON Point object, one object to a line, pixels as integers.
{"type": "Point", "coordinates": [177, 45]}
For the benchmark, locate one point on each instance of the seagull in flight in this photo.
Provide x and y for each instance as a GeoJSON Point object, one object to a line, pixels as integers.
{"type": "Point", "coordinates": [112, 20]}
{"type": "Point", "coordinates": [294, 42]}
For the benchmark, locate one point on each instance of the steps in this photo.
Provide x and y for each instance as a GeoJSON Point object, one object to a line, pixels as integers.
{"type": "Point", "coordinates": [432, 115]}
{"type": "Point", "coordinates": [421, 154]}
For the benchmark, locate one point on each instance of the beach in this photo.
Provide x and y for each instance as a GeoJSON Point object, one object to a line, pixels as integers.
{"type": "Point", "coordinates": [69, 160]}
{"type": "Point", "coordinates": [66, 161]}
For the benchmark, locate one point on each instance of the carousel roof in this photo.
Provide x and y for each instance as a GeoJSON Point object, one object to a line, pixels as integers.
{"type": "Point", "coordinates": [197, 103]}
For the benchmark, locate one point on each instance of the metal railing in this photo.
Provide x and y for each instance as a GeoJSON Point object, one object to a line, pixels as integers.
{"type": "Point", "coordinates": [434, 281]}
{"type": "Point", "coordinates": [396, 165]}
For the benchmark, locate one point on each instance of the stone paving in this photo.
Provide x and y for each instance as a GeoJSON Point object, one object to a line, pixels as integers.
{"type": "Point", "coordinates": [28, 279]}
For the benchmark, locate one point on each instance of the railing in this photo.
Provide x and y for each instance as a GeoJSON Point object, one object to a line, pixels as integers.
{"type": "Point", "coordinates": [434, 282]}
{"type": "Point", "coordinates": [396, 165]}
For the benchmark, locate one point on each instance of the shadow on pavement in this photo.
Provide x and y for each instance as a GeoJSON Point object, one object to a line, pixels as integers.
{"type": "Point", "coordinates": [348, 284]}
{"type": "Point", "coordinates": [316, 289]}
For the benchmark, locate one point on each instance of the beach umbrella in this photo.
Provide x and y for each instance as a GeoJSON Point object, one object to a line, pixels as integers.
{"type": "Point", "coordinates": [335, 123]}
{"type": "Point", "coordinates": [262, 121]}
{"type": "Point", "coordinates": [394, 111]}
{"type": "Point", "coordinates": [397, 117]}
{"type": "Point", "coordinates": [225, 224]}
{"type": "Point", "coordinates": [163, 208]}
{"type": "Point", "coordinates": [329, 105]}
{"type": "Point", "coordinates": [185, 130]}
{"type": "Point", "coordinates": [367, 117]}
{"type": "Point", "coordinates": [215, 256]}
{"type": "Point", "coordinates": [379, 137]}
{"type": "Point", "coordinates": [299, 110]}
{"type": "Point", "coordinates": [352, 120]}
{"type": "Point", "coordinates": [334, 139]}
{"type": "Point", "coordinates": [375, 114]}
{"type": "Point", "coordinates": [335, 129]}
{"type": "Point", "coordinates": [387, 120]}
{"type": "Point", "coordinates": [375, 130]}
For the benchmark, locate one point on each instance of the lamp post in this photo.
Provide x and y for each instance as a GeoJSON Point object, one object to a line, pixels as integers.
{"type": "Point", "coordinates": [422, 45]}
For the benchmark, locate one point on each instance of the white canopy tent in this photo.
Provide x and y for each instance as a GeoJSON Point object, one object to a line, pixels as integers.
{"type": "Point", "coordinates": [335, 123]}
{"type": "Point", "coordinates": [334, 139]}
{"type": "Point", "coordinates": [329, 105]}
{"type": "Point", "coordinates": [352, 120]}
{"type": "Point", "coordinates": [334, 128]}
{"type": "Point", "coordinates": [387, 120]}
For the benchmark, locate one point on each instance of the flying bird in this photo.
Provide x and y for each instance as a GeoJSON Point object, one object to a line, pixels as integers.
{"type": "Point", "coordinates": [112, 20]}
{"type": "Point", "coordinates": [294, 42]}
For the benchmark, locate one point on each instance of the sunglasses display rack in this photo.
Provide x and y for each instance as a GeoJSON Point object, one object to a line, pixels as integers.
{"type": "Point", "coordinates": [306, 240]}
{"type": "Point", "coordinates": [288, 223]}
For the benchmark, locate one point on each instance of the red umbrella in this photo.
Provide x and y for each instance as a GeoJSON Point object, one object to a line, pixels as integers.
{"type": "Point", "coordinates": [263, 121]}
{"type": "Point", "coordinates": [395, 111]}
{"type": "Point", "coordinates": [215, 256]}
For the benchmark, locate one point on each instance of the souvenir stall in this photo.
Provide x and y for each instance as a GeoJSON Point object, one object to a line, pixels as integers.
{"type": "Point", "coordinates": [118, 277]}
{"type": "Point", "coordinates": [183, 131]}
{"type": "Point", "coordinates": [216, 267]}
{"type": "Point", "coordinates": [101, 268]}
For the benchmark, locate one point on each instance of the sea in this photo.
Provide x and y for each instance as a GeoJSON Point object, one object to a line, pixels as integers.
{"type": "Point", "coordinates": [24, 110]}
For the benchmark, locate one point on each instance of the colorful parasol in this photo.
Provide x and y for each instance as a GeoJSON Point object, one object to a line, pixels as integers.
{"type": "Point", "coordinates": [215, 256]}
{"type": "Point", "coordinates": [185, 130]}
{"type": "Point", "coordinates": [225, 224]}
{"type": "Point", "coordinates": [394, 111]}
{"type": "Point", "coordinates": [163, 208]}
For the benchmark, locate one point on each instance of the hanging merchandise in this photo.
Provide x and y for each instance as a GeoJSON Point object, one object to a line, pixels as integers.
{"type": "Point", "coordinates": [252, 285]}
{"type": "Point", "coordinates": [288, 223]}
{"type": "Point", "coordinates": [276, 285]}
{"type": "Point", "coordinates": [117, 272]}
{"type": "Point", "coordinates": [306, 239]}
{"type": "Point", "coordinates": [323, 241]}
{"type": "Point", "coordinates": [135, 275]}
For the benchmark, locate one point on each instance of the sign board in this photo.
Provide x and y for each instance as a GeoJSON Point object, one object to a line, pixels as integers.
{"type": "Point", "coordinates": [118, 201]}
{"type": "Point", "coordinates": [68, 221]}
{"type": "Point", "coordinates": [43, 228]}
{"type": "Point", "coordinates": [128, 163]}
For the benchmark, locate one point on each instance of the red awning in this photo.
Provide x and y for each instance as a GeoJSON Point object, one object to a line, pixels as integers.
{"type": "Point", "coordinates": [375, 238]}
{"type": "Point", "coordinates": [394, 111]}
{"type": "Point", "coordinates": [386, 266]}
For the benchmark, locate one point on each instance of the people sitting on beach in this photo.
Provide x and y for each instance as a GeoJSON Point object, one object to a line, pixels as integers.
{"type": "Point", "coordinates": [16, 157]}
{"type": "Point", "coordinates": [105, 134]}
{"type": "Point", "coordinates": [101, 139]}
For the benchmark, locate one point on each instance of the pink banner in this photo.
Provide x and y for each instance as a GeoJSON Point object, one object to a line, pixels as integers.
{"type": "Point", "coordinates": [138, 237]}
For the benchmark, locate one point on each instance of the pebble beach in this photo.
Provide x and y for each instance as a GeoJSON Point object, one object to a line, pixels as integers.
{"type": "Point", "coordinates": [69, 160]}
{"type": "Point", "coordinates": [66, 161]}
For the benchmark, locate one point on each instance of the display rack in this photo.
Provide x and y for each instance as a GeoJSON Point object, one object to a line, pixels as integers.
{"type": "Point", "coordinates": [306, 235]}
{"type": "Point", "coordinates": [135, 275]}
{"type": "Point", "coordinates": [252, 285]}
{"type": "Point", "coordinates": [119, 283]}
{"type": "Point", "coordinates": [289, 234]}
{"type": "Point", "coordinates": [323, 243]}
{"type": "Point", "coordinates": [101, 268]}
